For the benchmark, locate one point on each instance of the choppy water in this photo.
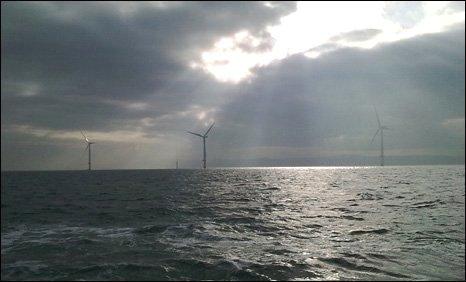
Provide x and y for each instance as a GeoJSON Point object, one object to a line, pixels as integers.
{"type": "Point", "coordinates": [388, 223]}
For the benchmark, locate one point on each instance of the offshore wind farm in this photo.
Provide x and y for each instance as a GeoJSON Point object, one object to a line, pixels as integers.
{"type": "Point", "coordinates": [226, 141]}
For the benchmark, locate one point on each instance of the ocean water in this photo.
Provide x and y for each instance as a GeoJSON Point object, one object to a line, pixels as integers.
{"type": "Point", "coordinates": [390, 223]}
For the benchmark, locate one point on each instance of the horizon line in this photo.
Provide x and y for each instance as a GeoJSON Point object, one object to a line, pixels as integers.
{"type": "Point", "coordinates": [237, 167]}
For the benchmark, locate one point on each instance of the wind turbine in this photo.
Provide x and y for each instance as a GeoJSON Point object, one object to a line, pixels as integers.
{"type": "Point", "coordinates": [204, 161]}
{"type": "Point", "coordinates": [380, 129]}
{"type": "Point", "coordinates": [89, 143]}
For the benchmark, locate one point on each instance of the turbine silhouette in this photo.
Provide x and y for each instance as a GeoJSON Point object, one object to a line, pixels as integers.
{"type": "Point", "coordinates": [380, 129]}
{"type": "Point", "coordinates": [88, 147]}
{"type": "Point", "coordinates": [204, 161]}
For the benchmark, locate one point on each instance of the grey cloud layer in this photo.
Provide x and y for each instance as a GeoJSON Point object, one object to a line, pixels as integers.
{"type": "Point", "coordinates": [416, 84]}
{"type": "Point", "coordinates": [123, 66]}
{"type": "Point", "coordinates": [78, 55]}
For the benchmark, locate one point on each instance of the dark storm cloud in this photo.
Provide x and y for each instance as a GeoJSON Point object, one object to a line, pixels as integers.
{"type": "Point", "coordinates": [79, 56]}
{"type": "Point", "coordinates": [91, 49]}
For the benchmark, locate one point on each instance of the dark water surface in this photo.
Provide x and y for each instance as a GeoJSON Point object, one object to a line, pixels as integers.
{"type": "Point", "coordinates": [391, 223]}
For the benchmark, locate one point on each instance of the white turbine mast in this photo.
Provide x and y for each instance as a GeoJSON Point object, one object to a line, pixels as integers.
{"type": "Point", "coordinates": [88, 147]}
{"type": "Point", "coordinates": [204, 160]}
{"type": "Point", "coordinates": [380, 129]}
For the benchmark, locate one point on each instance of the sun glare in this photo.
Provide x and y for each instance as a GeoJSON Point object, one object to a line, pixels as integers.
{"type": "Point", "coordinates": [317, 24]}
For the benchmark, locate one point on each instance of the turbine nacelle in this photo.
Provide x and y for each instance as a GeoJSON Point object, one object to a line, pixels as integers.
{"type": "Point", "coordinates": [86, 139]}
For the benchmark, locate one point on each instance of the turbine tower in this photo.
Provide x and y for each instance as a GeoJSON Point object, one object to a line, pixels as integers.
{"type": "Point", "coordinates": [89, 143]}
{"type": "Point", "coordinates": [204, 161]}
{"type": "Point", "coordinates": [380, 129]}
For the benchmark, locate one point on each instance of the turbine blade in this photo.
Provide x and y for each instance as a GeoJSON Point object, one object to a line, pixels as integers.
{"type": "Point", "coordinates": [378, 120]}
{"type": "Point", "coordinates": [87, 147]}
{"type": "Point", "coordinates": [375, 135]}
{"type": "Point", "coordinates": [195, 134]}
{"type": "Point", "coordinates": [207, 132]}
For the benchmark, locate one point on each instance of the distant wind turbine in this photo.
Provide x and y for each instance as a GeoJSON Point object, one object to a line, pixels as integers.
{"type": "Point", "coordinates": [380, 129]}
{"type": "Point", "coordinates": [88, 147]}
{"type": "Point", "coordinates": [204, 161]}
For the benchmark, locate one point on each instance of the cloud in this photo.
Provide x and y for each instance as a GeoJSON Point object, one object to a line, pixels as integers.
{"type": "Point", "coordinates": [92, 63]}
{"type": "Point", "coordinates": [120, 136]}
{"type": "Point", "coordinates": [456, 126]}
{"type": "Point", "coordinates": [313, 27]}
{"type": "Point", "coordinates": [112, 67]}
{"type": "Point", "coordinates": [357, 35]}
{"type": "Point", "coordinates": [124, 72]}
{"type": "Point", "coordinates": [327, 103]}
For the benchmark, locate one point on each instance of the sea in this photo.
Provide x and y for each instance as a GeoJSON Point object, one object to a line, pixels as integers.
{"type": "Point", "coordinates": [297, 223]}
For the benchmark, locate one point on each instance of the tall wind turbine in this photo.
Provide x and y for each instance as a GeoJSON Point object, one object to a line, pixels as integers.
{"type": "Point", "coordinates": [88, 147]}
{"type": "Point", "coordinates": [380, 129]}
{"type": "Point", "coordinates": [204, 161]}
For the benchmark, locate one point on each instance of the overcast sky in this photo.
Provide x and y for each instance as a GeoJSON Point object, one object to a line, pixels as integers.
{"type": "Point", "coordinates": [286, 83]}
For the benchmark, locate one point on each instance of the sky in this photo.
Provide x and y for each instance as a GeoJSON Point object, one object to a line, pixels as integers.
{"type": "Point", "coordinates": [286, 83]}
